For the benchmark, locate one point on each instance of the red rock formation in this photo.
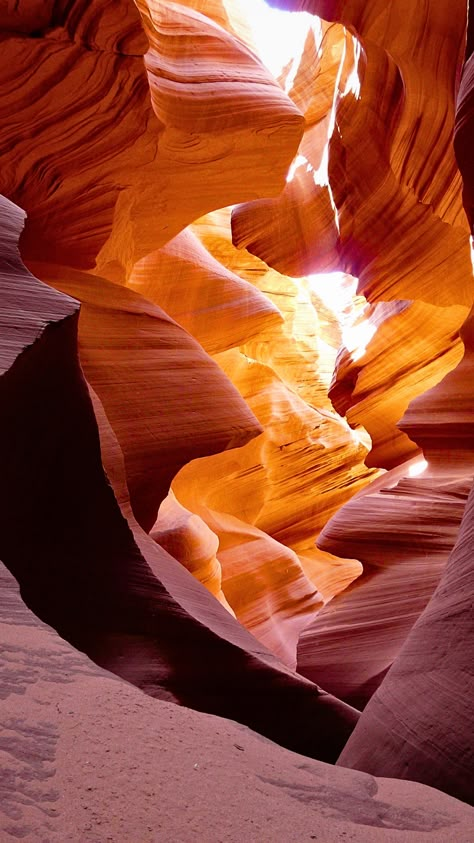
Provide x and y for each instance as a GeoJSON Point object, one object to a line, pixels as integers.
{"type": "Point", "coordinates": [373, 387]}
{"type": "Point", "coordinates": [220, 309]}
{"type": "Point", "coordinates": [187, 538]}
{"type": "Point", "coordinates": [463, 135]}
{"type": "Point", "coordinates": [401, 226]}
{"type": "Point", "coordinates": [402, 529]}
{"type": "Point", "coordinates": [92, 181]}
{"type": "Point", "coordinates": [440, 420]}
{"type": "Point", "coordinates": [281, 486]}
{"type": "Point", "coordinates": [83, 563]}
{"type": "Point", "coordinates": [138, 129]}
{"type": "Point", "coordinates": [419, 724]}
{"type": "Point", "coordinates": [297, 233]}
{"type": "Point", "coordinates": [133, 355]}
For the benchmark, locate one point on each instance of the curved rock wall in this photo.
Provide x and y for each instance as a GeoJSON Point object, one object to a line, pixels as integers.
{"type": "Point", "coordinates": [189, 405]}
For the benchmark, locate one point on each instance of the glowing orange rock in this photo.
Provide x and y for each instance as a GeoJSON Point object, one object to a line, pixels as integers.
{"type": "Point", "coordinates": [109, 195]}
{"type": "Point", "coordinates": [401, 226]}
{"type": "Point", "coordinates": [464, 131]}
{"type": "Point", "coordinates": [139, 125]}
{"type": "Point", "coordinates": [86, 567]}
{"type": "Point", "coordinates": [134, 355]}
{"type": "Point", "coordinates": [441, 420]}
{"type": "Point", "coordinates": [216, 306]}
{"type": "Point", "coordinates": [373, 386]}
{"type": "Point", "coordinates": [189, 540]}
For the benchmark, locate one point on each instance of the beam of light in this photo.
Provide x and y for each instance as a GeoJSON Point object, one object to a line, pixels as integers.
{"type": "Point", "coordinates": [338, 290]}
{"type": "Point", "coordinates": [279, 38]}
{"type": "Point", "coordinates": [363, 436]}
{"type": "Point", "coordinates": [357, 337]}
{"type": "Point", "coordinates": [297, 162]}
{"type": "Point", "coordinates": [353, 81]}
{"type": "Point", "coordinates": [418, 468]}
{"type": "Point", "coordinates": [335, 289]}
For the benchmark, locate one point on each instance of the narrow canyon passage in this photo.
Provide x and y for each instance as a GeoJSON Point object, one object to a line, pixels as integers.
{"type": "Point", "coordinates": [237, 418]}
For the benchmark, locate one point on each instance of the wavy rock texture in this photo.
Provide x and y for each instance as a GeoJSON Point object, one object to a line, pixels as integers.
{"type": "Point", "coordinates": [273, 591]}
{"type": "Point", "coordinates": [298, 233]}
{"type": "Point", "coordinates": [265, 396]}
{"type": "Point", "coordinates": [398, 363]}
{"type": "Point", "coordinates": [133, 354]}
{"type": "Point", "coordinates": [86, 566]}
{"type": "Point", "coordinates": [220, 309]}
{"type": "Point", "coordinates": [394, 210]}
{"type": "Point", "coordinates": [186, 537]}
{"type": "Point", "coordinates": [419, 723]}
{"type": "Point", "coordinates": [441, 420]}
{"type": "Point", "coordinates": [285, 484]}
{"type": "Point", "coordinates": [463, 134]}
{"type": "Point", "coordinates": [402, 529]}
{"type": "Point", "coordinates": [100, 186]}
{"type": "Point", "coordinates": [137, 768]}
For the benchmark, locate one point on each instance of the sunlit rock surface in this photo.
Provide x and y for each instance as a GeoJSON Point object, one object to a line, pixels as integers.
{"type": "Point", "coordinates": [218, 307]}
{"type": "Point", "coordinates": [133, 354]}
{"type": "Point", "coordinates": [196, 421]}
{"type": "Point", "coordinates": [373, 388]}
{"type": "Point", "coordinates": [401, 225]}
{"type": "Point", "coordinates": [100, 186]}
{"type": "Point", "coordinates": [441, 420]}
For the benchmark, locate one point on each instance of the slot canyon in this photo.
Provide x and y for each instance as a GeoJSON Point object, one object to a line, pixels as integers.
{"type": "Point", "coordinates": [236, 421]}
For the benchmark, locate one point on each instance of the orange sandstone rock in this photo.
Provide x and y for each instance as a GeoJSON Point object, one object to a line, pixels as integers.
{"type": "Point", "coordinates": [412, 345]}
{"type": "Point", "coordinates": [166, 399]}
{"type": "Point", "coordinates": [189, 540]}
{"type": "Point", "coordinates": [101, 184]}
{"type": "Point", "coordinates": [86, 567]}
{"type": "Point", "coordinates": [401, 227]}
{"type": "Point", "coordinates": [216, 306]}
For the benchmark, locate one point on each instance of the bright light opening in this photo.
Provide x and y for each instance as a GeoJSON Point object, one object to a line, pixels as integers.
{"type": "Point", "coordinates": [335, 289]}
{"type": "Point", "coordinates": [418, 468]}
{"type": "Point", "coordinates": [353, 81]}
{"type": "Point", "coordinates": [338, 292]}
{"type": "Point", "coordinates": [357, 337]}
{"type": "Point", "coordinates": [298, 161]}
{"type": "Point", "coordinates": [279, 36]}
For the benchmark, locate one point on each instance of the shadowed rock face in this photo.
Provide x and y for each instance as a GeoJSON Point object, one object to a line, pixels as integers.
{"type": "Point", "coordinates": [195, 427]}
{"type": "Point", "coordinates": [418, 725]}
{"type": "Point", "coordinates": [463, 135]}
{"type": "Point", "coordinates": [390, 527]}
{"type": "Point", "coordinates": [93, 574]}
{"type": "Point", "coordinates": [87, 755]}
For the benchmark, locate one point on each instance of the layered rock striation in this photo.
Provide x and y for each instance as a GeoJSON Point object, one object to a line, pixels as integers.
{"type": "Point", "coordinates": [236, 419]}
